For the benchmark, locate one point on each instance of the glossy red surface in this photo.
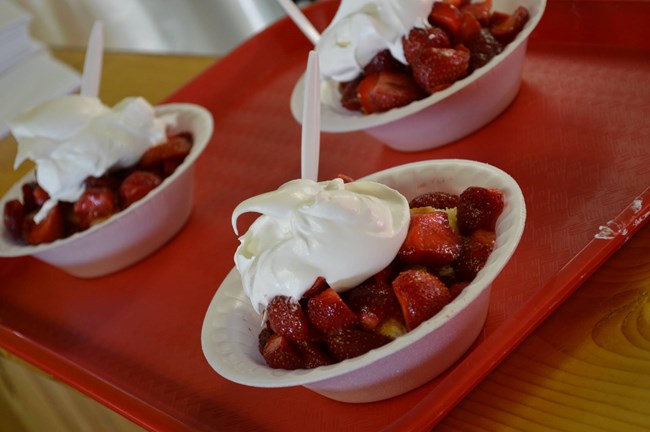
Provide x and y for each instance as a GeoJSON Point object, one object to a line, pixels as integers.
{"type": "Point", "coordinates": [576, 138]}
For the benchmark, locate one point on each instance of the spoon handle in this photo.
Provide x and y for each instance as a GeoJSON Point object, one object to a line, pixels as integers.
{"type": "Point", "coordinates": [300, 20]}
{"type": "Point", "coordinates": [92, 71]}
{"type": "Point", "coordinates": [311, 120]}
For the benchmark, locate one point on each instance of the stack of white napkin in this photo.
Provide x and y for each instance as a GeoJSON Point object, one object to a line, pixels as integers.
{"type": "Point", "coordinates": [29, 75]}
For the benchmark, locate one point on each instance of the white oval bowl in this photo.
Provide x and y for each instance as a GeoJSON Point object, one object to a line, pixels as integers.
{"type": "Point", "coordinates": [445, 116]}
{"type": "Point", "coordinates": [229, 335]}
{"type": "Point", "coordinates": [134, 233]}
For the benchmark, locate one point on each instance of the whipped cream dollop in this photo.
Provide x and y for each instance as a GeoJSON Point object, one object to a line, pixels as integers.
{"type": "Point", "coordinates": [73, 137]}
{"type": "Point", "coordinates": [343, 232]}
{"type": "Point", "coordinates": [362, 28]}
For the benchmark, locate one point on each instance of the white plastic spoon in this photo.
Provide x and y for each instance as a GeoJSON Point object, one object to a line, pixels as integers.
{"type": "Point", "coordinates": [92, 72]}
{"type": "Point", "coordinates": [300, 20]}
{"type": "Point", "coordinates": [311, 120]}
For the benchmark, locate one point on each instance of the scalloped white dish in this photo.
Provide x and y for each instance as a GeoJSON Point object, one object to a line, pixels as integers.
{"type": "Point", "coordinates": [445, 116]}
{"type": "Point", "coordinates": [229, 335]}
{"type": "Point", "coordinates": [135, 232]}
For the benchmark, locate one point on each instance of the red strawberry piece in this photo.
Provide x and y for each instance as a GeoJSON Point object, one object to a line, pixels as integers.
{"type": "Point", "coordinates": [350, 94]}
{"type": "Point", "coordinates": [319, 285]}
{"type": "Point", "coordinates": [480, 10]}
{"type": "Point", "coordinates": [383, 60]}
{"type": "Point", "coordinates": [176, 147]}
{"type": "Point", "coordinates": [475, 253]}
{"type": "Point", "coordinates": [438, 68]}
{"type": "Point", "coordinates": [28, 197]}
{"type": "Point", "coordinates": [469, 30]}
{"type": "Point", "coordinates": [13, 216]}
{"type": "Point", "coordinates": [506, 30]}
{"type": "Point", "coordinates": [457, 3]}
{"type": "Point", "coordinates": [446, 16]}
{"type": "Point", "coordinates": [95, 205]}
{"type": "Point", "coordinates": [437, 200]}
{"type": "Point", "coordinates": [327, 312]}
{"type": "Point", "coordinates": [479, 208]}
{"type": "Point", "coordinates": [349, 343]}
{"type": "Point", "coordinates": [313, 355]}
{"type": "Point", "coordinates": [421, 296]}
{"type": "Point", "coordinates": [110, 181]}
{"type": "Point", "coordinates": [386, 90]}
{"type": "Point", "coordinates": [263, 337]}
{"type": "Point", "coordinates": [49, 229]}
{"type": "Point", "coordinates": [40, 196]}
{"type": "Point", "coordinates": [483, 48]}
{"type": "Point", "coordinates": [286, 317]}
{"type": "Point", "coordinates": [280, 353]}
{"type": "Point", "coordinates": [373, 301]}
{"type": "Point", "coordinates": [430, 240]}
{"type": "Point", "coordinates": [456, 288]}
{"type": "Point", "coordinates": [420, 39]}
{"type": "Point", "coordinates": [136, 185]}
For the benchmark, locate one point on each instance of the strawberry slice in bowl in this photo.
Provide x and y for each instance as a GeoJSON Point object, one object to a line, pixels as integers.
{"type": "Point", "coordinates": [376, 369]}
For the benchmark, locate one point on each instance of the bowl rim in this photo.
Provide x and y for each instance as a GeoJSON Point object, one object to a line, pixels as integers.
{"type": "Point", "coordinates": [9, 248]}
{"type": "Point", "coordinates": [338, 119]}
{"type": "Point", "coordinates": [286, 378]}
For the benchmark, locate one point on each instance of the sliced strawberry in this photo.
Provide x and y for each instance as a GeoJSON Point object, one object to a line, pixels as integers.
{"type": "Point", "coordinates": [350, 94]}
{"type": "Point", "coordinates": [469, 30]}
{"type": "Point", "coordinates": [483, 48]}
{"type": "Point", "coordinates": [505, 30]}
{"type": "Point", "coordinates": [438, 68]}
{"type": "Point", "coordinates": [349, 343]}
{"type": "Point", "coordinates": [49, 229]}
{"type": "Point", "coordinates": [280, 353]}
{"type": "Point", "coordinates": [286, 317]}
{"type": "Point", "coordinates": [95, 205]}
{"type": "Point", "coordinates": [327, 312]}
{"type": "Point", "coordinates": [319, 285]}
{"type": "Point", "coordinates": [313, 355]}
{"type": "Point", "coordinates": [475, 253]}
{"type": "Point", "coordinates": [457, 3]}
{"type": "Point", "coordinates": [437, 200]}
{"type": "Point", "coordinates": [479, 208]}
{"type": "Point", "coordinates": [421, 295]}
{"type": "Point", "coordinates": [420, 39]}
{"type": "Point", "coordinates": [430, 240]}
{"type": "Point", "coordinates": [373, 301]}
{"type": "Point", "coordinates": [456, 288]}
{"type": "Point", "coordinates": [386, 90]}
{"type": "Point", "coordinates": [446, 16]}
{"type": "Point", "coordinates": [480, 10]}
{"type": "Point", "coordinates": [136, 185]}
{"type": "Point", "coordinates": [382, 61]}
{"type": "Point", "coordinates": [176, 147]}
{"type": "Point", "coordinates": [40, 196]}
{"type": "Point", "coordinates": [13, 217]}
{"type": "Point", "coordinates": [28, 197]}
{"type": "Point", "coordinates": [111, 181]}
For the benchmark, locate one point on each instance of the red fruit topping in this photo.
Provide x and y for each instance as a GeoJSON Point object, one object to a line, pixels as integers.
{"type": "Point", "coordinates": [313, 355]}
{"type": "Point", "coordinates": [349, 343]}
{"type": "Point", "coordinates": [447, 16]}
{"type": "Point", "coordinates": [457, 3]}
{"type": "Point", "coordinates": [505, 30]}
{"type": "Point", "coordinates": [475, 253]}
{"type": "Point", "coordinates": [286, 317]}
{"type": "Point", "coordinates": [483, 48]}
{"type": "Point", "coordinates": [49, 229]}
{"type": "Point", "coordinates": [40, 196]}
{"type": "Point", "coordinates": [430, 240]}
{"type": "Point", "coordinates": [96, 204]}
{"type": "Point", "coordinates": [456, 288]}
{"type": "Point", "coordinates": [382, 61]}
{"type": "Point", "coordinates": [480, 11]}
{"type": "Point", "coordinates": [319, 285]}
{"type": "Point", "coordinates": [350, 94]}
{"type": "Point", "coordinates": [386, 90]}
{"type": "Point", "coordinates": [469, 29]}
{"type": "Point", "coordinates": [479, 208]}
{"type": "Point", "coordinates": [14, 214]}
{"type": "Point", "coordinates": [28, 197]}
{"type": "Point", "coordinates": [437, 200]}
{"type": "Point", "coordinates": [438, 68]}
{"type": "Point", "coordinates": [373, 301]}
{"type": "Point", "coordinates": [176, 147]}
{"type": "Point", "coordinates": [280, 353]}
{"type": "Point", "coordinates": [421, 295]}
{"type": "Point", "coordinates": [420, 39]}
{"type": "Point", "coordinates": [327, 312]}
{"type": "Point", "coordinates": [136, 186]}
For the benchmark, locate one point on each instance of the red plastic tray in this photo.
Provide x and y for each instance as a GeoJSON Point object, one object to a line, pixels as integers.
{"type": "Point", "coordinates": [577, 139]}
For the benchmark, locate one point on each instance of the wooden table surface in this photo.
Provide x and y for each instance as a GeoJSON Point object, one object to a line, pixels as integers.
{"type": "Point", "coordinates": [587, 367]}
